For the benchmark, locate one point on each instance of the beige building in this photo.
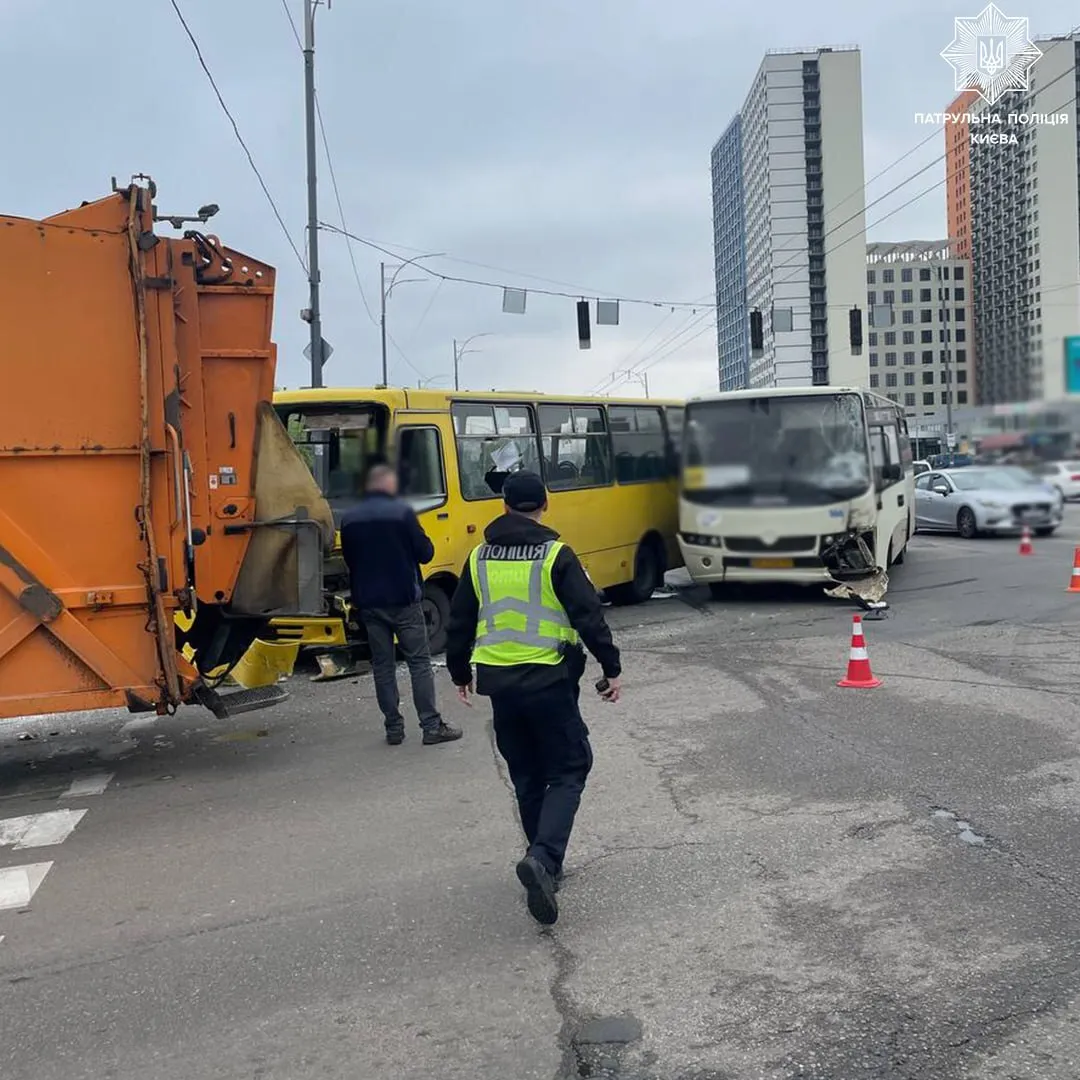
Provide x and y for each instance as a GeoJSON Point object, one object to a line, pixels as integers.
{"type": "Point", "coordinates": [920, 344]}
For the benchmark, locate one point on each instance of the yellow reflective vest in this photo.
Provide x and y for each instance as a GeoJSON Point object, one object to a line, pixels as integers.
{"type": "Point", "coordinates": [520, 620]}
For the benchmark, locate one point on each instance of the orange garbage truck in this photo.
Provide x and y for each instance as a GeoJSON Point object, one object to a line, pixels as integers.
{"type": "Point", "coordinates": [154, 514]}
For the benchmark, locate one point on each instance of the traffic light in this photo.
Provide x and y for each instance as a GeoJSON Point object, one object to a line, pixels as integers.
{"type": "Point", "coordinates": [757, 334]}
{"type": "Point", "coordinates": [855, 331]}
{"type": "Point", "coordinates": [584, 334]}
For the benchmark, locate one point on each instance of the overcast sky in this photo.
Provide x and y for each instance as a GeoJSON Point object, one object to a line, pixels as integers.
{"type": "Point", "coordinates": [562, 140]}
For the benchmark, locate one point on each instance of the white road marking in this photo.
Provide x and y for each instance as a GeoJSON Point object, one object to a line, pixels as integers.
{"type": "Point", "coordinates": [91, 784]}
{"type": "Point", "coordinates": [19, 883]}
{"type": "Point", "coordinates": [38, 830]}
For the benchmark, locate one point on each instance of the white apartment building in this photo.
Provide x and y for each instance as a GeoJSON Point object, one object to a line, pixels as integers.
{"type": "Point", "coordinates": [920, 347]}
{"type": "Point", "coordinates": [1025, 216]}
{"type": "Point", "coordinates": [789, 222]}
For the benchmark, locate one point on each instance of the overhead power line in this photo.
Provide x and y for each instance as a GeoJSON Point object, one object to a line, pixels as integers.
{"type": "Point", "coordinates": [575, 295]}
{"type": "Point", "coordinates": [239, 137]}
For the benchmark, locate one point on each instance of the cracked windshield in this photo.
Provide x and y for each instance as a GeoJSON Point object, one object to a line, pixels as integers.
{"type": "Point", "coordinates": [540, 542]}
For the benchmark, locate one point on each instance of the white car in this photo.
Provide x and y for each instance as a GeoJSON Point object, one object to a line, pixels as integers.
{"type": "Point", "coordinates": [1064, 475]}
{"type": "Point", "coordinates": [920, 467]}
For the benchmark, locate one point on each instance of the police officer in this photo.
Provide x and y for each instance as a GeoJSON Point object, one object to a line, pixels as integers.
{"type": "Point", "coordinates": [521, 611]}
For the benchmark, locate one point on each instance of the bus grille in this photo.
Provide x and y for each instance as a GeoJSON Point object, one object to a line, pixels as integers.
{"type": "Point", "coordinates": [784, 543]}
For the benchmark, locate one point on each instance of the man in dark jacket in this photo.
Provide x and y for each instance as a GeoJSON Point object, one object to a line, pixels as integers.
{"type": "Point", "coordinates": [384, 546]}
{"type": "Point", "coordinates": [521, 611]}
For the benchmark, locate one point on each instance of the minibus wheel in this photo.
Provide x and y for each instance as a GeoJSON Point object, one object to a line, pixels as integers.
{"type": "Point", "coordinates": [436, 605]}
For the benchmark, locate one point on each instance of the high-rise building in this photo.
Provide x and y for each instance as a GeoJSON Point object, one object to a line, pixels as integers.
{"type": "Point", "coordinates": [789, 222]}
{"type": "Point", "coordinates": [958, 174]}
{"type": "Point", "coordinates": [920, 343]}
{"type": "Point", "coordinates": [1025, 234]}
{"type": "Point", "coordinates": [729, 245]}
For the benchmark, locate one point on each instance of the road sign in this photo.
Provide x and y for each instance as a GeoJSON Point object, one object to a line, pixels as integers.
{"type": "Point", "coordinates": [950, 440]}
{"type": "Point", "coordinates": [1072, 365]}
{"type": "Point", "coordinates": [327, 351]}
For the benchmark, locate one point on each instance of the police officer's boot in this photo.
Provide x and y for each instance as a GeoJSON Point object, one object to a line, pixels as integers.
{"type": "Point", "coordinates": [539, 890]}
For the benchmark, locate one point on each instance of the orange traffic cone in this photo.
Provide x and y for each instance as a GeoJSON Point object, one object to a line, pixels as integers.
{"type": "Point", "coordinates": [1025, 542]}
{"type": "Point", "coordinates": [859, 674]}
{"type": "Point", "coordinates": [1074, 581]}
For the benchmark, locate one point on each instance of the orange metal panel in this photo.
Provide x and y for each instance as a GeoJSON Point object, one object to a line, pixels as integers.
{"type": "Point", "coordinates": [131, 367]}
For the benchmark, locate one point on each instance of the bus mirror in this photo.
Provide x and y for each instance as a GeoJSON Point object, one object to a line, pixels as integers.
{"type": "Point", "coordinates": [892, 473]}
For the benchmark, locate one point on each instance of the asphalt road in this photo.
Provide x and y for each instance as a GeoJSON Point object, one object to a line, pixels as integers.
{"type": "Point", "coordinates": [772, 877]}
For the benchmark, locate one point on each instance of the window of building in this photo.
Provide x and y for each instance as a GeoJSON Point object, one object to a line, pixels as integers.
{"type": "Point", "coordinates": [928, 356]}
{"type": "Point", "coordinates": [926, 337]}
{"type": "Point", "coordinates": [928, 378]}
{"type": "Point", "coordinates": [890, 379]}
{"type": "Point", "coordinates": [637, 437]}
{"type": "Point", "coordinates": [482, 431]}
{"type": "Point", "coordinates": [905, 274]}
{"type": "Point", "coordinates": [960, 313]}
{"type": "Point", "coordinates": [944, 380]}
{"type": "Point", "coordinates": [909, 378]}
{"type": "Point", "coordinates": [887, 275]}
{"type": "Point", "coordinates": [907, 316]}
{"type": "Point", "coordinates": [909, 356]}
{"type": "Point", "coordinates": [958, 294]}
{"type": "Point", "coordinates": [926, 315]}
{"type": "Point", "coordinates": [960, 334]}
{"type": "Point", "coordinates": [890, 337]}
{"type": "Point", "coordinates": [909, 400]}
{"type": "Point", "coordinates": [875, 379]}
{"type": "Point", "coordinates": [873, 359]}
{"type": "Point", "coordinates": [888, 296]}
{"type": "Point", "coordinates": [909, 337]}
{"type": "Point", "coordinates": [907, 296]}
{"type": "Point", "coordinates": [870, 277]}
{"type": "Point", "coordinates": [891, 397]}
{"type": "Point", "coordinates": [961, 397]}
{"type": "Point", "coordinates": [944, 397]}
{"type": "Point", "coordinates": [961, 375]}
{"type": "Point", "coordinates": [928, 398]}
{"type": "Point", "coordinates": [575, 447]}
{"type": "Point", "coordinates": [925, 295]}
{"type": "Point", "coordinates": [871, 298]}
{"type": "Point", "coordinates": [924, 273]}
{"type": "Point", "coordinates": [872, 339]}
{"type": "Point", "coordinates": [890, 359]}
{"type": "Point", "coordinates": [945, 272]}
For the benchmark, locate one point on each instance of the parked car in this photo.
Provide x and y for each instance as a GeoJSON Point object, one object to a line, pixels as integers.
{"type": "Point", "coordinates": [952, 460]}
{"type": "Point", "coordinates": [920, 467]}
{"type": "Point", "coordinates": [976, 500]}
{"type": "Point", "coordinates": [1064, 475]}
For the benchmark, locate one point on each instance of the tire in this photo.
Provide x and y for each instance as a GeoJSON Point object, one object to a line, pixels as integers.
{"type": "Point", "coordinates": [648, 576]}
{"type": "Point", "coordinates": [718, 590]}
{"type": "Point", "coordinates": [965, 523]}
{"type": "Point", "coordinates": [1045, 530]}
{"type": "Point", "coordinates": [436, 605]}
{"type": "Point", "coordinates": [899, 560]}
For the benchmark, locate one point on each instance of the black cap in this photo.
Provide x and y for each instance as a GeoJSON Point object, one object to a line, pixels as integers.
{"type": "Point", "coordinates": [524, 492]}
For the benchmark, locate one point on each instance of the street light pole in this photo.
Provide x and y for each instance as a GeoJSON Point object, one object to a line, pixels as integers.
{"type": "Point", "coordinates": [314, 314]}
{"type": "Point", "coordinates": [384, 292]}
{"type": "Point", "coordinates": [459, 353]}
{"type": "Point", "coordinates": [382, 318]}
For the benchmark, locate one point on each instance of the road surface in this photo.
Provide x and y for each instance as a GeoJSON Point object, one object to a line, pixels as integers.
{"type": "Point", "coordinates": [772, 877]}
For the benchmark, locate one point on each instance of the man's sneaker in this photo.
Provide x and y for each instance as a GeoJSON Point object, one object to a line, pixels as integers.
{"type": "Point", "coordinates": [395, 737]}
{"type": "Point", "coordinates": [443, 733]}
{"type": "Point", "coordinates": [539, 890]}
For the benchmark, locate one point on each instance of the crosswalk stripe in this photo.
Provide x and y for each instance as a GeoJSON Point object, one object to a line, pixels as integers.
{"type": "Point", "coordinates": [19, 883]}
{"type": "Point", "coordinates": [91, 784]}
{"type": "Point", "coordinates": [38, 830]}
